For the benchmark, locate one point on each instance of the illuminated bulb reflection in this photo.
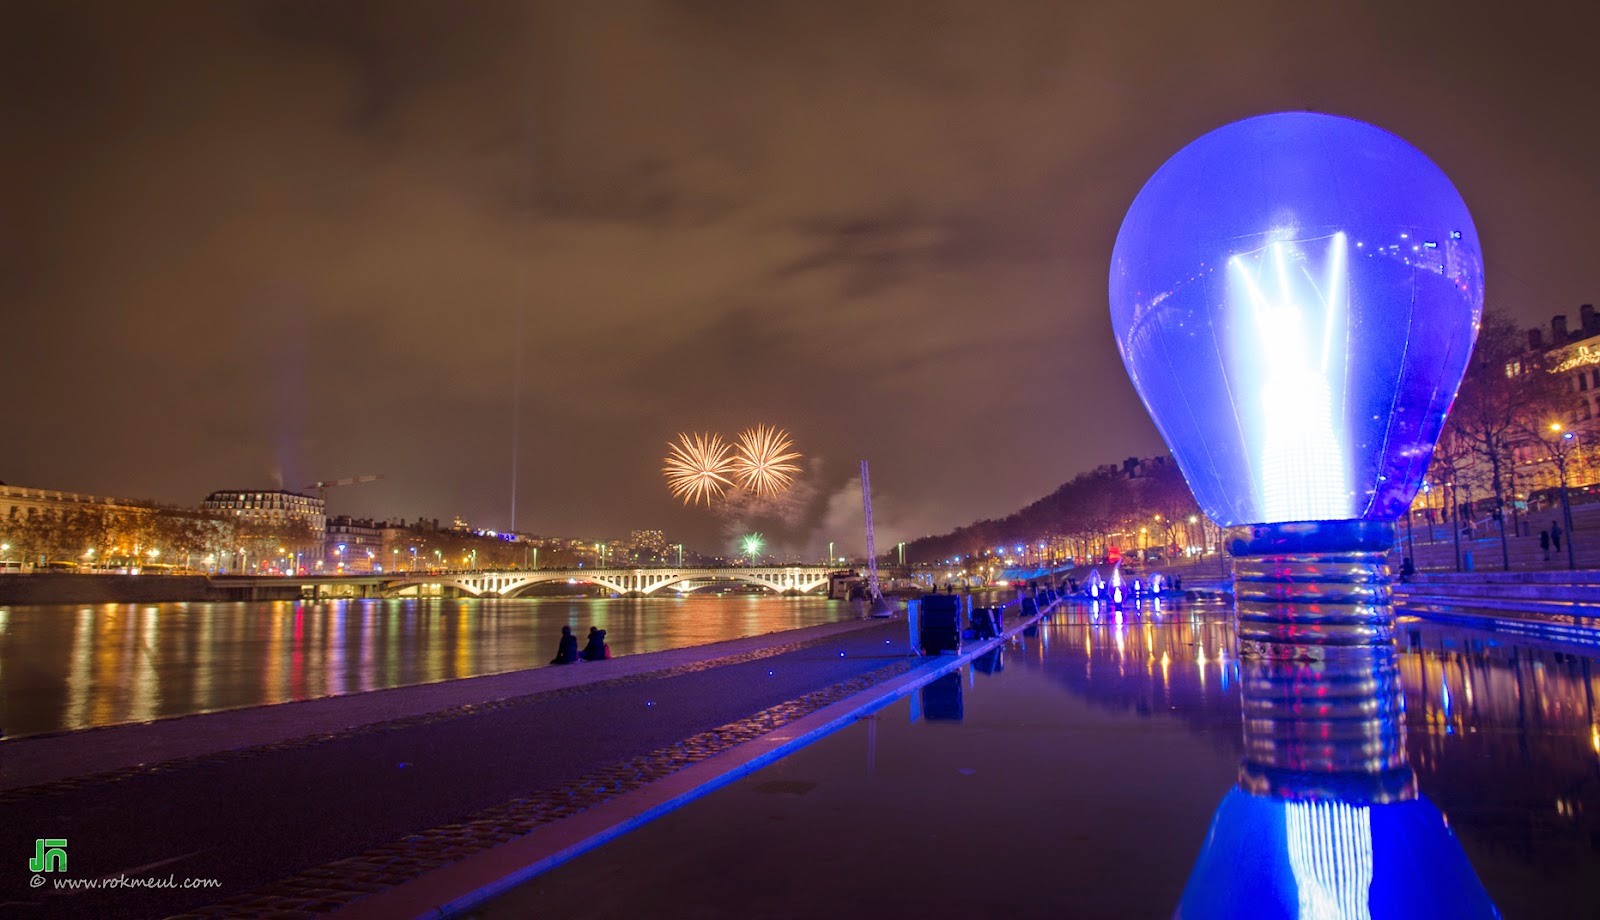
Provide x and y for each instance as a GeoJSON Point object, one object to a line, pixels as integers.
{"type": "Point", "coordinates": [1330, 854]}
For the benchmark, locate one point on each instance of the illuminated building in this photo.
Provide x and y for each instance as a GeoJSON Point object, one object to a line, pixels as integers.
{"type": "Point", "coordinates": [273, 507]}
{"type": "Point", "coordinates": [353, 545]}
{"type": "Point", "coordinates": [19, 504]}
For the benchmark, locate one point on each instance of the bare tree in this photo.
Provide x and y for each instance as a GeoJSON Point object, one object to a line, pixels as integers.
{"type": "Point", "coordinates": [1502, 379]}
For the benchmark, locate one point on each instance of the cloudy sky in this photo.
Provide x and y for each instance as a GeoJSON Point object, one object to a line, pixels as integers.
{"type": "Point", "coordinates": [245, 243]}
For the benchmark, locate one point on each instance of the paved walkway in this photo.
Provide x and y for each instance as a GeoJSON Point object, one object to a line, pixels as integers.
{"type": "Point", "coordinates": [301, 808]}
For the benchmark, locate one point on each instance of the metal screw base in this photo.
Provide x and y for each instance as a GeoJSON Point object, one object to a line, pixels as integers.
{"type": "Point", "coordinates": [1301, 595]}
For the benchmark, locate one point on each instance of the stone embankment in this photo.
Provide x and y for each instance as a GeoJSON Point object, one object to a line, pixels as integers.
{"type": "Point", "coordinates": [73, 588]}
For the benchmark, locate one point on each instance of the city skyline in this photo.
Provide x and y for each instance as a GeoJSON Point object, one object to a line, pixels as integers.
{"type": "Point", "coordinates": [271, 244]}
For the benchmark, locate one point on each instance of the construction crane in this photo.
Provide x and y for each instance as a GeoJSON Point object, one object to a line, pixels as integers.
{"type": "Point", "coordinates": [876, 605]}
{"type": "Point", "coordinates": [323, 487]}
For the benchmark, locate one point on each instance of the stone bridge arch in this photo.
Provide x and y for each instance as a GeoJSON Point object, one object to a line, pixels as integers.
{"type": "Point", "coordinates": [639, 582]}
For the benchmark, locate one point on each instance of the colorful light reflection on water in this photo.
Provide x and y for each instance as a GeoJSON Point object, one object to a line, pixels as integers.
{"type": "Point", "coordinates": [65, 667]}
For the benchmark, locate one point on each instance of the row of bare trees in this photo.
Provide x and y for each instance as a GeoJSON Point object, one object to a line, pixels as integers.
{"type": "Point", "coordinates": [1510, 404]}
{"type": "Point", "coordinates": [126, 536]}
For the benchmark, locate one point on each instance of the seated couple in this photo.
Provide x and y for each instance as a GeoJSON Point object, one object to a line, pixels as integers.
{"type": "Point", "coordinates": [567, 652]}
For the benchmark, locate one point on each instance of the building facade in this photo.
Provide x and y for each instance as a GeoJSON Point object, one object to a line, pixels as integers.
{"type": "Point", "coordinates": [273, 507]}
{"type": "Point", "coordinates": [1573, 355]}
{"type": "Point", "coordinates": [354, 546]}
{"type": "Point", "coordinates": [19, 504]}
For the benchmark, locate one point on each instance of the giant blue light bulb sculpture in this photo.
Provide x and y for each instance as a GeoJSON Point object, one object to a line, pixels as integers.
{"type": "Point", "coordinates": [1296, 297]}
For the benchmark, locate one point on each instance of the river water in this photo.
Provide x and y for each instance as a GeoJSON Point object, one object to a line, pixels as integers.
{"type": "Point", "coordinates": [73, 666]}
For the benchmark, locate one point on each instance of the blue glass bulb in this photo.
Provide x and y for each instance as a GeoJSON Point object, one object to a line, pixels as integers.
{"type": "Point", "coordinates": [1296, 297]}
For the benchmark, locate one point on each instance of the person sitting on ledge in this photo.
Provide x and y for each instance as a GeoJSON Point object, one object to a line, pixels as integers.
{"type": "Point", "coordinates": [567, 651]}
{"type": "Point", "coordinates": [595, 650]}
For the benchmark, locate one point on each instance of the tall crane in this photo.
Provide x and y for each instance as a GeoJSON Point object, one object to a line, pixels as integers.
{"type": "Point", "coordinates": [323, 487]}
{"type": "Point", "coordinates": [876, 604]}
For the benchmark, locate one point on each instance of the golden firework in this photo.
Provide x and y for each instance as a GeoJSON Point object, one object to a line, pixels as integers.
{"type": "Point", "coordinates": [697, 467]}
{"type": "Point", "coordinates": [761, 460]}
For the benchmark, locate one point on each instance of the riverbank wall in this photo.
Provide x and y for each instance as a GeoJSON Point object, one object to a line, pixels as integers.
{"type": "Point", "coordinates": [74, 588]}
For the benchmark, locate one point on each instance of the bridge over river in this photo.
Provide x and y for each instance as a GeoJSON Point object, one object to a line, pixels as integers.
{"type": "Point", "coordinates": [640, 582]}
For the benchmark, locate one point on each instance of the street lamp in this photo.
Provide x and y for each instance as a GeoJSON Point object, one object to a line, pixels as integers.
{"type": "Point", "coordinates": [1560, 448]}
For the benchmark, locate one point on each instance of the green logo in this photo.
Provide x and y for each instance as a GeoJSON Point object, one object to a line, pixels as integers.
{"type": "Point", "coordinates": [49, 855]}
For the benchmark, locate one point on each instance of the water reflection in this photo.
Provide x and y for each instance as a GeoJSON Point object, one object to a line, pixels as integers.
{"type": "Point", "coordinates": [940, 699]}
{"type": "Point", "coordinates": [1327, 821]}
{"type": "Point", "coordinates": [72, 666]}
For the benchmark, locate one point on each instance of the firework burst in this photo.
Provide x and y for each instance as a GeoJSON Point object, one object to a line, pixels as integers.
{"type": "Point", "coordinates": [761, 460]}
{"type": "Point", "coordinates": [697, 467]}
{"type": "Point", "coordinates": [752, 543]}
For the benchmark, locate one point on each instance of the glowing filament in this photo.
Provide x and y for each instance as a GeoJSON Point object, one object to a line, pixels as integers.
{"type": "Point", "coordinates": [1295, 335]}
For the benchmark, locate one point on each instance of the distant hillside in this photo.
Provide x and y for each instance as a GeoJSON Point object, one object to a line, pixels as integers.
{"type": "Point", "coordinates": [1087, 511]}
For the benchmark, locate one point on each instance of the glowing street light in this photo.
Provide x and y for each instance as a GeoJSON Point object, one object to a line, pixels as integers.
{"type": "Point", "coordinates": [1307, 426]}
{"type": "Point", "coordinates": [1560, 446]}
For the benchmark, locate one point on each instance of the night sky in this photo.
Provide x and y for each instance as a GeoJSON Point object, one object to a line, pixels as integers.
{"type": "Point", "coordinates": [245, 244]}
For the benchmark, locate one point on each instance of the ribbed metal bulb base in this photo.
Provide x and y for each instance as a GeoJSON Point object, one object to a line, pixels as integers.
{"type": "Point", "coordinates": [1331, 729]}
{"type": "Point", "coordinates": [1300, 594]}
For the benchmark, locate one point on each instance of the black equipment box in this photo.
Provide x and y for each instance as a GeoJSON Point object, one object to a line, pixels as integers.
{"type": "Point", "coordinates": [941, 624]}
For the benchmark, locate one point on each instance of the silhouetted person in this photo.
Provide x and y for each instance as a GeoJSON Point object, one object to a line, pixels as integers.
{"type": "Point", "coordinates": [567, 651]}
{"type": "Point", "coordinates": [595, 650]}
{"type": "Point", "coordinates": [1544, 543]}
{"type": "Point", "coordinates": [1555, 535]}
{"type": "Point", "coordinates": [1407, 569]}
